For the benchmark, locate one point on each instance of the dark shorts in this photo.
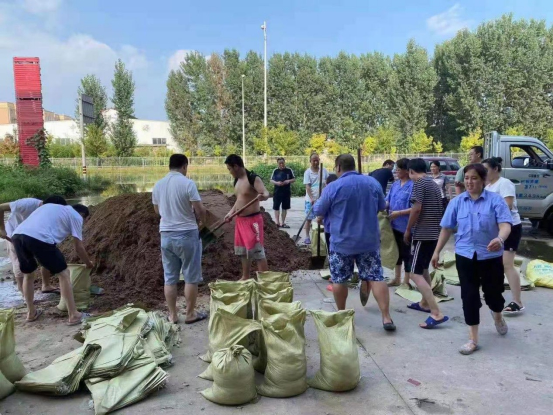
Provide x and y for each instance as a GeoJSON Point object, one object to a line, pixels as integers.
{"type": "Point", "coordinates": [281, 199]}
{"type": "Point", "coordinates": [404, 251]}
{"type": "Point", "coordinates": [421, 255]}
{"type": "Point", "coordinates": [513, 241]}
{"type": "Point", "coordinates": [31, 252]}
{"type": "Point", "coordinates": [342, 267]}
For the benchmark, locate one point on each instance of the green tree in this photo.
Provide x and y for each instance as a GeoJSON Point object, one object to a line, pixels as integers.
{"type": "Point", "coordinates": [91, 86]}
{"type": "Point", "coordinates": [420, 143]}
{"type": "Point", "coordinates": [122, 133]}
{"type": "Point", "coordinates": [9, 146]}
{"type": "Point", "coordinates": [317, 144]}
{"type": "Point", "coordinates": [474, 138]}
{"type": "Point", "coordinates": [96, 143]}
{"type": "Point", "coordinates": [369, 145]}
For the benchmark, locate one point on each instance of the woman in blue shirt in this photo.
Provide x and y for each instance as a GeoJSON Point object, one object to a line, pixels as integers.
{"type": "Point", "coordinates": [483, 223]}
{"type": "Point", "coordinates": [399, 207]}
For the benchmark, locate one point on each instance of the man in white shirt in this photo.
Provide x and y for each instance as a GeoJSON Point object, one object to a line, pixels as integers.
{"type": "Point", "coordinates": [35, 241]}
{"type": "Point", "coordinates": [19, 211]}
{"type": "Point", "coordinates": [311, 182]}
{"type": "Point", "coordinates": [177, 201]}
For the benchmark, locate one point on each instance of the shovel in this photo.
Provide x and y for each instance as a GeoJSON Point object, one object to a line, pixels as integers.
{"type": "Point", "coordinates": [297, 237]}
{"type": "Point", "coordinates": [317, 262]}
{"type": "Point", "coordinates": [209, 235]}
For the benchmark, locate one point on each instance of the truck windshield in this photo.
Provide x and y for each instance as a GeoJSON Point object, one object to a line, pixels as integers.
{"type": "Point", "coordinates": [527, 157]}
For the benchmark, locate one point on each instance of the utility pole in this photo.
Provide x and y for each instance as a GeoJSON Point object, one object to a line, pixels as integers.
{"type": "Point", "coordinates": [243, 124]}
{"type": "Point", "coordinates": [264, 28]}
{"type": "Point", "coordinates": [81, 123]}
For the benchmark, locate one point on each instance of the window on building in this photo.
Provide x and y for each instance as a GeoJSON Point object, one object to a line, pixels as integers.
{"type": "Point", "coordinates": [159, 141]}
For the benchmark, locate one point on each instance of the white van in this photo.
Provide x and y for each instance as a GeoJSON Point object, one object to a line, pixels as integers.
{"type": "Point", "coordinates": [528, 163]}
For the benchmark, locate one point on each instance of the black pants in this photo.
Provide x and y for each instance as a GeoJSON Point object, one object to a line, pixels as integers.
{"type": "Point", "coordinates": [404, 251]}
{"type": "Point", "coordinates": [472, 273]}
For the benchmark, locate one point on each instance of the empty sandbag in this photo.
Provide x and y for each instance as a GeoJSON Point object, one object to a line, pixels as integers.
{"type": "Point", "coordinates": [6, 387]}
{"type": "Point", "coordinates": [268, 309]}
{"type": "Point", "coordinates": [10, 365]}
{"type": "Point", "coordinates": [233, 377]}
{"type": "Point", "coordinates": [339, 361]}
{"type": "Point", "coordinates": [389, 252]}
{"type": "Point", "coordinates": [272, 276]}
{"type": "Point", "coordinates": [227, 330]}
{"type": "Point", "coordinates": [80, 282]}
{"type": "Point", "coordinates": [285, 374]}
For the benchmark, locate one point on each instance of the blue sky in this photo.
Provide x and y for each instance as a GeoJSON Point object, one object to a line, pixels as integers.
{"type": "Point", "coordinates": [74, 37]}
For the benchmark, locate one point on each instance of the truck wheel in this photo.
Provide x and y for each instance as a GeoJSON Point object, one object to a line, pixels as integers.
{"type": "Point", "coordinates": [549, 224]}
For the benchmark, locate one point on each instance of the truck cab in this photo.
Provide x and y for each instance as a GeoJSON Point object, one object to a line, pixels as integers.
{"type": "Point", "coordinates": [528, 163]}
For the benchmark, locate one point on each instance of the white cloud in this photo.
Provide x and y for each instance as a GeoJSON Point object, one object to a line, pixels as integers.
{"type": "Point", "coordinates": [40, 6]}
{"type": "Point", "coordinates": [448, 22]}
{"type": "Point", "coordinates": [176, 58]}
{"type": "Point", "coordinates": [65, 60]}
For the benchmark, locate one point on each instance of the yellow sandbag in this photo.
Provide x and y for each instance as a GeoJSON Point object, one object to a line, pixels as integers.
{"type": "Point", "coordinates": [227, 330]}
{"type": "Point", "coordinates": [314, 240]}
{"type": "Point", "coordinates": [388, 247]}
{"type": "Point", "coordinates": [540, 273]}
{"type": "Point", "coordinates": [267, 309]}
{"type": "Point", "coordinates": [222, 286]}
{"type": "Point", "coordinates": [10, 365]}
{"type": "Point", "coordinates": [285, 374]}
{"type": "Point", "coordinates": [80, 282]}
{"type": "Point", "coordinates": [233, 377]}
{"type": "Point", "coordinates": [6, 387]}
{"type": "Point", "coordinates": [273, 276]}
{"type": "Point", "coordinates": [339, 370]}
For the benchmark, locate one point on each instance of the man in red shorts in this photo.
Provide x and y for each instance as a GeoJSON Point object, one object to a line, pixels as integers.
{"type": "Point", "coordinates": [248, 233]}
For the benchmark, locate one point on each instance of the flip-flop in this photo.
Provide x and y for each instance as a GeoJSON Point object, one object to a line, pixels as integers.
{"type": "Point", "coordinates": [285, 226]}
{"type": "Point", "coordinates": [38, 312]}
{"type": "Point", "coordinates": [199, 317]}
{"type": "Point", "coordinates": [54, 291]}
{"type": "Point", "coordinates": [172, 322]}
{"type": "Point", "coordinates": [389, 326]}
{"type": "Point", "coordinates": [84, 316]}
{"type": "Point", "coordinates": [364, 295]}
{"type": "Point", "coordinates": [417, 306]}
{"type": "Point", "coordinates": [514, 309]}
{"type": "Point", "coordinates": [431, 322]}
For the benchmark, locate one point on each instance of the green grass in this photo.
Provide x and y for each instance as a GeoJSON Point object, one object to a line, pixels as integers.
{"type": "Point", "coordinates": [20, 182]}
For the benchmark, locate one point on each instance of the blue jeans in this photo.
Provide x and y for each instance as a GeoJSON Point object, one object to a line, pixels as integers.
{"type": "Point", "coordinates": [181, 251]}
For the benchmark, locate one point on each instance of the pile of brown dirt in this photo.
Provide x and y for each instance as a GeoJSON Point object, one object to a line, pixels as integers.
{"type": "Point", "coordinates": [122, 238]}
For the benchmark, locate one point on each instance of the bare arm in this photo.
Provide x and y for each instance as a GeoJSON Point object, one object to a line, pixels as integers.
{"type": "Point", "coordinates": [413, 217]}
{"type": "Point", "coordinates": [4, 207]}
{"type": "Point", "coordinates": [199, 211]}
{"type": "Point", "coordinates": [156, 208]}
{"type": "Point", "coordinates": [260, 188]}
{"type": "Point", "coordinates": [81, 251]}
{"type": "Point", "coordinates": [510, 200]}
{"type": "Point", "coordinates": [290, 181]}
{"type": "Point", "coordinates": [308, 188]}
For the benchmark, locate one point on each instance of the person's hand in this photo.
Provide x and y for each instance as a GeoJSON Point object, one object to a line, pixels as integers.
{"type": "Point", "coordinates": [312, 201]}
{"type": "Point", "coordinates": [228, 217]}
{"type": "Point", "coordinates": [90, 264]}
{"type": "Point", "coordinates": [4, 235]}
{"type": "Point", "coordinates": [436, 260]}
{"type": "Point", "coordinates": [263, 197]}
{"type": "Point", "coordinates": [394, 215]}
{"type": "Point", "coordinates": [495, 245]}
{"type": "Point", "coordinates": [407, 237]}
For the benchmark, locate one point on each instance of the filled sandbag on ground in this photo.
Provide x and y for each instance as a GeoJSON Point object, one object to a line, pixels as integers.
{"type": "Point", "coordinates": [285, 374]}
{"type": "Point", "coordinates": [272, 276]}
{"type": "Point", "coordinates": [339, 371]}
{"type": "Point", "coordinates": [540, 273]}
{"type": "Point", "coordinates": [233, 377]}
{"type": "Point", "coordinates": [268, 308]}
{"type": "Point", "coordinates": [10, 365]}
{"type": "Point", "coordinates": [80, 282]}
{"type": "Point", "coordinates": [220, 287]}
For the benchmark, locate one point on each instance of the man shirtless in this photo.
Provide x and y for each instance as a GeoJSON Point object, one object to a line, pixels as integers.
{"type": "Point", "coordinates": [248, 233]}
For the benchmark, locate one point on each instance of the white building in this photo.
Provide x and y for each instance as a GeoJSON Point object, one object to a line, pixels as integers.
{"type": "Point", "coordinates": [148, 132]}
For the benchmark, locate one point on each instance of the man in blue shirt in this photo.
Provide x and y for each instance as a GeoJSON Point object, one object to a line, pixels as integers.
{"type": "Point", "coordinates": [351, 205]}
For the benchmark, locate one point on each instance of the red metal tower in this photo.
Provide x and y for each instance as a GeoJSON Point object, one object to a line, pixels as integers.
{"type": "Point", "coordinates": [28, 101]}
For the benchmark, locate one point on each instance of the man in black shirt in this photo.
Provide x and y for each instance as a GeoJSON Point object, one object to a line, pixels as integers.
{"type": "Point", "coordinates": [384, 175]}
{"type": "Point", "coordinates": [282, 177]}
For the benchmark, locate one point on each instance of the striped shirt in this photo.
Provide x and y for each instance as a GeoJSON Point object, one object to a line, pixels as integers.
{"type": "Point", "coordinates": [428, 194]}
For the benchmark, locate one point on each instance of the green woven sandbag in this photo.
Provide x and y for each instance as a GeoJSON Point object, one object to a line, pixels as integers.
{"type": "Point", "coordinates": [10, 365]}
{"type": "Point", "coordinates": [233, 377]}
{"type": "Point", "coordinates": [285, 374]}
{"type": "Point", "coordinates": [272, 276]}
{"type": "Point", "coordinates": [389, 252]}
{"type": "Point", "coordinates": [6, 387]}
{"type": "Point", "coordinates": [268, 309]}
{"type": "Point", "coordinates": [221, 287]}
{"type": "Point", "coordinates": [339, 370]}
{"type": "Point", "coordinates": [80, 282]}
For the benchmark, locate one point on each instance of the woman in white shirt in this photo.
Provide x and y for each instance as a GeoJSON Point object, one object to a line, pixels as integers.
{"type": "Point", "coordinates": [440, 179]}
{"type": "Point", "coordinates": [506, 189]}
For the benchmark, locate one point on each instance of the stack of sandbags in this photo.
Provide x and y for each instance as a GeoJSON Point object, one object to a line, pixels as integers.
{"type": "Point", "coordinates": [339, 361]}
{"type": "Point", "coordinates": [233, 377]}
{"type": "Point", "coordinates": [11, 368]}
{"type": "Point", "coordinates": [285, 373]}
{"type": "Point", "coordinates": [134, 384]}
{"type": "Point", "coordinates": [63, 376]}
{"type": "Point", "coordinates": [80, 282]}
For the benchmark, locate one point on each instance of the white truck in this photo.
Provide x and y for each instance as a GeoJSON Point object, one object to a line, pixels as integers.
{"type": "Point", "coordinates": [528, 163]}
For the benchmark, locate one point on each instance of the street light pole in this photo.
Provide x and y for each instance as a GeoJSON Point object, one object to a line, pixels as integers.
{"type": "Point", "coordinates": [81, 119]}
{"type": "Point", "coordinates": [243, 124]}
{"type": "Point", "coordinates": [264, 28]}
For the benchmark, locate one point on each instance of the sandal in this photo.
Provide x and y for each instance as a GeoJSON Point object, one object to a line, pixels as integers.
{"type": "Point", "coordinates": [285, 226]}
{"type": "Point", "coordinates": [199, 317]}
{"type": "Point", "coordinates": [513, 308]}
{"type": "Point", "coordinates": [501, 327]}
{"type": "Point", "coordinates": [431, 322]}
{"type": "Point", "coordinates": [38, 312]}
{"type": "Point", "coordinates": [83, 318]}
{"type": "Point", "coordinates": [389, 326]}
{"type": "Point", "coordinates": [417, 306]}
{"type": "Point", "coordinates": [469, 348]}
